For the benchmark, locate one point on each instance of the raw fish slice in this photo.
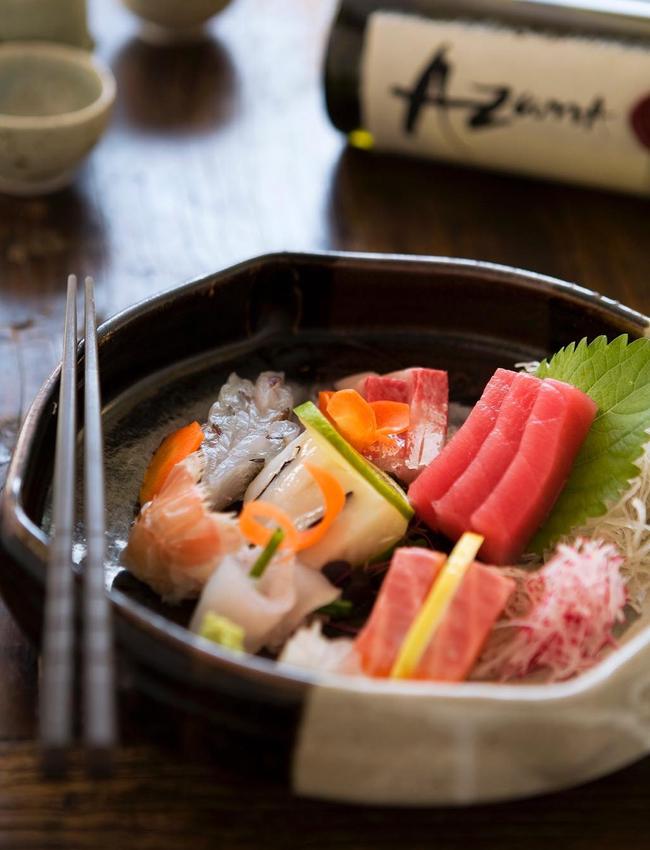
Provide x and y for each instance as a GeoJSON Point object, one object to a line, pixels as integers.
{"type": "Point", "coordinates": [383, 388]}
{"type": "Point", "coordinates": [176, 541]}
{"type": "Point", "coordinates": [247, 425]}
{"type": "Point", "coordinates": [460, 637]}
{"type": "Point", "coordinates": [270, 608]}
{"type": "Point", "coordinates": [469, 491]}
{"type": "Point", "coordinates": [426, 391]}
{"type": "Point", "coordinates": [308, 648]}
{"type": "Point", "coordinates": [313, 591]}
{"type": "Point", "coordinates": [457, 455]}
{"type": "Point", "coordinates": [390, 458]}
{"type": "Point", "coordinates": [404, 589]}
{"type": "Point", "coordinates": [257, 605]}
{"type": "Point", "coordinates": [274, 467]}
{"type": "Point", "coordinates": [584, 408]}
{"type": "Point", "coordinates": [516, 508]}
{"type": "Point", "coordinates": [429, 400]}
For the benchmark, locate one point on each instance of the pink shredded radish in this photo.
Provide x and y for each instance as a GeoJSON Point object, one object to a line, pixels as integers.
{"type": "Point", "coordinates": [560, 617]}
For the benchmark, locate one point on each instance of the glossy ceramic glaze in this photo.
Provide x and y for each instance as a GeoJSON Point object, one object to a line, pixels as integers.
{"type": "Point", "coordinates": [318, 317]}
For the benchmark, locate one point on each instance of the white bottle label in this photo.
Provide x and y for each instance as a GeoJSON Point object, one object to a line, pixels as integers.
{"type": "Point", "coordinates": [566, 107]}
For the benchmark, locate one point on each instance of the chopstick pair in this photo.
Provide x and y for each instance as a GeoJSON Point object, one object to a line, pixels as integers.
{"type": "Point", "coordinates": [57, 716]}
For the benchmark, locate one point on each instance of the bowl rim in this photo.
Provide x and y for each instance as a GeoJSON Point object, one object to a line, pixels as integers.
{"type": "Point", "coordinates": [67, 55]}
{"type": "Point", "coordinates": [294, 680]}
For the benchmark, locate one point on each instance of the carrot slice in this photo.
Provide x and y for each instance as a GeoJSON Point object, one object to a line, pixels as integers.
{"type": "Point", "coordinates": [393, 417]}
{"type": "Point", "coordinates": [354, 418]}
{"type": "Point", "coordinates": [259, 534]}
{"type": "Point", "coordinates": [333, 504]}
{"type": "Point", "coordinates": [323, 400]}
{"type": "Point", "coordinates": [362, 423]}
{"type": "Point", "coordinates": [173, 449]}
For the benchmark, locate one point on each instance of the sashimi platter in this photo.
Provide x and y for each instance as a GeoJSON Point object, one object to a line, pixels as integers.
{"type": "Point", "coordinates": [377, 529]}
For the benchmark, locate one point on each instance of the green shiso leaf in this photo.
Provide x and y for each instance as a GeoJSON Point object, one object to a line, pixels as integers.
{"type": "Point", "coordinates": [617, 376]}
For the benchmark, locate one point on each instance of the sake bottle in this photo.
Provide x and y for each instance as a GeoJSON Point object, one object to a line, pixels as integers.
{"type": "Point", "coordinates": [539, 87]}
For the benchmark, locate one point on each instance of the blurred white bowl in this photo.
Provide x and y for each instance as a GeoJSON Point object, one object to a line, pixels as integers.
{"type": "Point", "coordinates": [168, 21]}
{"type": "Point", "coordinates": [55, 103]}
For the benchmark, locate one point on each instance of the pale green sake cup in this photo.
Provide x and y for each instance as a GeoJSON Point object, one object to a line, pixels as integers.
{"type": "Point", "coordinates": [55, 103]}
{"type": "Point", "coordinates": [172, 21]}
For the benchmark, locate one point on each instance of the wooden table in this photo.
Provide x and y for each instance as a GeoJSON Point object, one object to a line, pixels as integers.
{"type": "Point", "coordinates": [217, 153]}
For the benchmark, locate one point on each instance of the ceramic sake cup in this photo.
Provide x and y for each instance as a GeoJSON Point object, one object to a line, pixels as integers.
{"type": "Point", "coordinates": [55, 103]}
{"type": "Point", "coordinates": [173, 21]}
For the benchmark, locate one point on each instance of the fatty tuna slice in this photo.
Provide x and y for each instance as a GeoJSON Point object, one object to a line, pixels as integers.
{"type": "Point", "coordinates": [426, 391]}
{"type": "Point", "coordinates": [465, 626]}
{"type": "Point", "coordinates": [429, 401]}
{"type": "Point", "coordinates": [384, 388]}
{"type": "Point", "coordinates": [460, 637]}
{"type": "Point", "coordinates": [411, 573]}
{"type": "Point", "coordinates": [457, 455]}
{"type": "Point", "coordinates": [469, 491]}
{"type": "Point", "coordinates": [522, 500]}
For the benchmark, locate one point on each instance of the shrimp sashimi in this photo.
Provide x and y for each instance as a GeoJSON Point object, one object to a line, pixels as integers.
{"type": "Point", "coordinates": [176, 541]}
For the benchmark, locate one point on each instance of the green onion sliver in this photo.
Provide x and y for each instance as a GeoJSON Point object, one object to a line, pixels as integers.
{"type": "Point", "coordinates": [267, 553]}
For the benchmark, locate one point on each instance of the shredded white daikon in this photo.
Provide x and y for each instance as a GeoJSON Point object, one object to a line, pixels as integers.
{"type": "Point", "coordinates": [627, 526]}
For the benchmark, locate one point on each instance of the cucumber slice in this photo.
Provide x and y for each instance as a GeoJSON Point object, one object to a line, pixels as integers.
{"type": "Point", "coordinates": [311, 417]}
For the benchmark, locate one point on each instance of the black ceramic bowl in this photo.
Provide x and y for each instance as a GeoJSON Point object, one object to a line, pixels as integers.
{"type": "Point", "coordinates": [316, 317]}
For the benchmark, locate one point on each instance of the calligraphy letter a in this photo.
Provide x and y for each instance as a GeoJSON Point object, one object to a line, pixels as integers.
{"type": "Point", "coordinates": [430, 88]}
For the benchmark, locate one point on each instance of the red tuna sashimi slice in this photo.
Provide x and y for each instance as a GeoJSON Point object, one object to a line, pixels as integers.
{"type": "Point", "coordinates": [513, 512]}
{"type": "Point", "coordinates": [404, 589]}
{"type": "Point", "coordinates": [454, 510]}
{"type": "Point", "coordinates": [383, 388]}
{"type": "Point", "coordinates": [461, 635]}
{"type": "Point", "coordinates": [459, 452]}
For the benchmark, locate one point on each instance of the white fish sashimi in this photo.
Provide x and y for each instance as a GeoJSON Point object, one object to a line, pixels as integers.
{"type": "Point", "coordinates": [313, 591]}
{"type": "Point", "coordinates": [308, 648]}
{"type": "Point", "coordinates": [176, 542]}
{"type": "Point", "coordinates": [257, 605]}
{"type": "Point", "coordinates": [268, 608]}
{"type": "Point", "coordinates": [247, 425]}
{"type": "Point", "coordinates": [274, 467]}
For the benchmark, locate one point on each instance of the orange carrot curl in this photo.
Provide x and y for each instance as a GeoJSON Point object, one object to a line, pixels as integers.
{"type": "Point", "coordinates": [173, 449]}
{"type": "Point", "coordinates": [259, 534]}
{"type": "Point", "coordinates": [363, 423]}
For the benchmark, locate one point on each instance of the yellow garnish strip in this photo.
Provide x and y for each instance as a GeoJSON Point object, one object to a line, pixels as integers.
{"type": "Point", "coordinates": [435, 605]}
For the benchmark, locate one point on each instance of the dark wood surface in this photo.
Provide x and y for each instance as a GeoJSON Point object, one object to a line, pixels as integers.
{"type": "Point", "coordinates": [218, 152]}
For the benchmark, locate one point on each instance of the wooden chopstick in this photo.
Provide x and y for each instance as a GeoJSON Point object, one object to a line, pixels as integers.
{"type": "Point", "coordinates": [57, 684]}
{"type": "Point", "coordinates": [57, 715]}
{"type": "Point", "coordinates": [100, 725]}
